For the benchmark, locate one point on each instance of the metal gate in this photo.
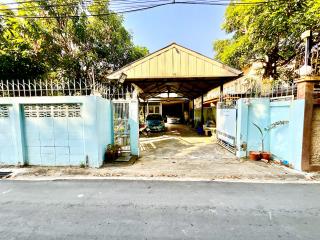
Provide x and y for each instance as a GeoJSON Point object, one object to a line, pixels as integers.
{"type": "Point", "coordinates": [227, 126]}
{"type": "Point", "coordinates": [121, 125]}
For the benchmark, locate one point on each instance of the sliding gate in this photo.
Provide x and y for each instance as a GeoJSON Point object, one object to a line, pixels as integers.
{"type": "Point", "coordinates": [227, 126]}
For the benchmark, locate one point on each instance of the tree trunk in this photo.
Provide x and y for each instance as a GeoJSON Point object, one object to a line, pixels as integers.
{"type": "Point", "coordinates": [271, 65]}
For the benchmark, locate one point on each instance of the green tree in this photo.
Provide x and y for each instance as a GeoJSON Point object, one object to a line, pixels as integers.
{"type": "Point", "coordinates": [17, 56]}
{"type": "Point", "coordinates": [70, 38]}
{"type": "Point", "coordinates": [269, 32]}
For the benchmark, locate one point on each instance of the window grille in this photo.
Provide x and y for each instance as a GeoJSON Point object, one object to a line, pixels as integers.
{"type": "Point", "coordinates": [52, 110]}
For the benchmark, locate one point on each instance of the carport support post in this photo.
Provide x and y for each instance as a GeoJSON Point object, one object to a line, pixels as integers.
{"type": "Point", "coordinates": [182, 107]}
{"type": "Point", "coordinates": [193, 113]}
{"type": "Point", "coordinates": [202, 118]}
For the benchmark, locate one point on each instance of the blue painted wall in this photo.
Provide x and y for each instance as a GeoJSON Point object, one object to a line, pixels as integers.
{"type": "Point", "coordinates": [284, 142]}
{"type": "Point", "coordinates": [87, 136]}
{"type": "Point", "coordinates": [258, 113]}
{"type": "Point", "coordinates": [105, 131]}
{"type": "Point", "coordinates": [134, 127]}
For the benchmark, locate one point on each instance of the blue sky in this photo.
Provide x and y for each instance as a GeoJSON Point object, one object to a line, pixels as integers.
{"type": "Point", "coordinates": [195, 27]}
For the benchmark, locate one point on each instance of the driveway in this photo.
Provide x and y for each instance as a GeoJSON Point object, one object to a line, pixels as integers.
{"type": "Point", "coordinates": [178, 154]}
{"type": "Point", "coordinates": [181, 152]}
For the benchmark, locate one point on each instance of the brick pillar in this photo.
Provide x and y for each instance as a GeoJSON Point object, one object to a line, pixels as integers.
{"type": "Point", "coordinates": [305, 89]}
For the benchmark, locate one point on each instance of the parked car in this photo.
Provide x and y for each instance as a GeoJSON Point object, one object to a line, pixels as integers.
{"type": "Point", "coordinates": [155, 123]}
{"type": "Point", "coordinates": [173, 119]}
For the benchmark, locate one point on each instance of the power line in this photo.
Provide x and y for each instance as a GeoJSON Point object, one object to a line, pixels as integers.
{"type": "Point", "coordinates": [130, 6]}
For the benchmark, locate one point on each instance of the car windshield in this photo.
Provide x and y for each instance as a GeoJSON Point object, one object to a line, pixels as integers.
{"type": "Point", "coordinates": [154, 117]}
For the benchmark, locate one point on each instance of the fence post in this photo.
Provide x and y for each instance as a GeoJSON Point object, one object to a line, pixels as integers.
{"type": "Point", "coordinates": [305, 87]}
{"type": "Point", "coordinates": [134, 126]}
{"type": "Point", "coordinates": [242, 128]}
{"type": "Point", "coordinates": [18, 122]}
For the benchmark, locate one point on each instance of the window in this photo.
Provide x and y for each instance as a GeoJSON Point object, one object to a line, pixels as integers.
{"type": "Point", "coordinates": [154, 109]}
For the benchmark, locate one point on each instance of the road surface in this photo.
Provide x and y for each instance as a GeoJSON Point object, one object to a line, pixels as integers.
{"type": "Point", "coordinates": [115, 209]}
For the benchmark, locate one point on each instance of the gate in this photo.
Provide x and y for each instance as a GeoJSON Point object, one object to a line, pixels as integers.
{"type": "Point", "coordinates": [227, 126]}
{"type": "Point", "coordinates": [121, 125]}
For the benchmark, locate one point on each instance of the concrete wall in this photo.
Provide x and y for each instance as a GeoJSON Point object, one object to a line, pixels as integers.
{"type": "Point", "coordinates": [41, 141]}
{"type": "Point", "coordinates": [134, 127]}
{"type": "Point", "coordinates": [284, 142]}
{"type": "Point", "coordinates": [315, 136]}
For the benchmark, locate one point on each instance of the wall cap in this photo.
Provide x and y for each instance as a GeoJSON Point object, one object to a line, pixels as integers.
{"type": "Point", "coordinates": [308, 79]}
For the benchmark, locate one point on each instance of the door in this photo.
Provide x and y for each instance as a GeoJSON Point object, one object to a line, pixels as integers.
{"type": "Point", "coordinates": [121, 125]}
{"type": "Point", "coordinates": [54, 134]}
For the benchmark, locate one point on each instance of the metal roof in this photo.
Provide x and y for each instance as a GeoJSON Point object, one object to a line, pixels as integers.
{"type": "Point", "coordinates": [176, 69]}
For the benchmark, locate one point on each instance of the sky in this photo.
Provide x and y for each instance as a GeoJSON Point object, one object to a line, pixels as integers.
{"type": "Point", "coordinates": [195, 27]}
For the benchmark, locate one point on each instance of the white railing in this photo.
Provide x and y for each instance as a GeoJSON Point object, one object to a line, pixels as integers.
{"type": "Point", "coordinates": [44, 87]}
{"type": "Point", "coordinates": [276, 92]}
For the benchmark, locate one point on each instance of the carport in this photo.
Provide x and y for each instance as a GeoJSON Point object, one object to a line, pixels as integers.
{"type": "Point", "coordinates": [175, 73]}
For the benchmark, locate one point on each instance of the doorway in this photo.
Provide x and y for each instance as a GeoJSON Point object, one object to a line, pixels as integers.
{"type": "Point", "coordinates": [121, 125]}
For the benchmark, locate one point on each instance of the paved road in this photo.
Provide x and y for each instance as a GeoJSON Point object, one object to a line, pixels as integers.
{"type": "Point", "coordinates": [158, 210]}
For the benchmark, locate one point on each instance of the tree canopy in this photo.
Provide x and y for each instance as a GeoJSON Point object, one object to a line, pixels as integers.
{"type": "Point", "coordinates": [63, 39]}
{"type": "Point", "coordinates": [266, 31]}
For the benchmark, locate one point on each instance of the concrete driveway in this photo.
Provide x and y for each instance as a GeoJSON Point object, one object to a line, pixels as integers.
{"type": "Point", "coordinates": [178, 154]}
{"type": "Point", "coordinates": [181, 152]}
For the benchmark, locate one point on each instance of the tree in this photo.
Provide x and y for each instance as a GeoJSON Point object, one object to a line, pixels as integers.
{"type": "Point", "coordinates": [17, 58]}
{"type": "Point", "coordinates": [269, 32]}
{"type": "Point", "coordinates": [70, 38]}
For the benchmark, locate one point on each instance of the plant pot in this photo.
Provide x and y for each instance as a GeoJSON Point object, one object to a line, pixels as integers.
{"type": "Point", "coordinates": [255, 156]}
{"type": "Point", "coordinates": [116, 153]}
{"type": "Point", "coordinates": [110, 156]}
{"type": "Point", "coordinates": [266, 155]}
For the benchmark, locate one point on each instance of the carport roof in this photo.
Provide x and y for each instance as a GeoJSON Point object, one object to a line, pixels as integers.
{"type": "Point", "coordinates": [176, 69]}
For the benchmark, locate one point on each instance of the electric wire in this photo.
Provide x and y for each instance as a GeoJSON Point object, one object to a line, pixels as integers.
{"type": "Point", "coordinates": [118, 6]}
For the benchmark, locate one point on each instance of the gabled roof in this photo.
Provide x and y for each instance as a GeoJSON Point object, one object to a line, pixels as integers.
{"type": "Point", "coordinates": [175, 61]}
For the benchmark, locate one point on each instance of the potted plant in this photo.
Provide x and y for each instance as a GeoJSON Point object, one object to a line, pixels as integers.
{"type": "Point", "coordinates": [117, 151]}
{"type": "Point", "coordinates": [263, 132]}
{"type": "Point", "coordinates": [109, 155]}
{"type": "Point", "coordinates": [254, 155]}
{"type": "Point", "coordinates": [113, 151]}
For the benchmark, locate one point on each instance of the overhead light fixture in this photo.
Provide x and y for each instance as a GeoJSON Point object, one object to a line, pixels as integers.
{"type": "Point", "coordinates": [122, 77]}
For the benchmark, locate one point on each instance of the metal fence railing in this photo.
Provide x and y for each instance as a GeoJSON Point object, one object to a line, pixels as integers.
{"type": "Point", "coordinates": [276, 92]}
{"type": "Point", "coordinates": [82, 87]}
